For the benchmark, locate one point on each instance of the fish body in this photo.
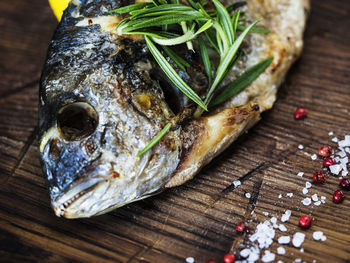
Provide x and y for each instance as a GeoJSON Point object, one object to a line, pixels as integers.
{"type": "Point", "coordinates": [103, 98]}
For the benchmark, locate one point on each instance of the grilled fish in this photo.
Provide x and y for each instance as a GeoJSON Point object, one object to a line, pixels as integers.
{"type": "Point", "coordinates": [103, 98]}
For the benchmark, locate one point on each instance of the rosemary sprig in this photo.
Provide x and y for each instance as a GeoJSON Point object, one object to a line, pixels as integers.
{"type": "Point", "coordinates": [171, 73]}
{"type": "Point", "coordinates": [160, 23]}
{"type": "Point", "coordinates": [155, 140]}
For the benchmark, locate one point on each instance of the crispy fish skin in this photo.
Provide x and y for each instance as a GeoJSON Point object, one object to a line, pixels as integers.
{"type": "Point", "coordinates": [100, 104]}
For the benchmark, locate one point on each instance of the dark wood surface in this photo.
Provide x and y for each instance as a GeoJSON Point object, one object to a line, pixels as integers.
{"type": "Point", "coordinates": [196, 219]}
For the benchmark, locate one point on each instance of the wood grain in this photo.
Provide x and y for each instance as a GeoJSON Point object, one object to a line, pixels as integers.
{"type": "Point", "coordinates": [196, 219]}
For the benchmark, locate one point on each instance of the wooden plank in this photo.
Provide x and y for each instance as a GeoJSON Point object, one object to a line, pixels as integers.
{"type": "Point", "coordinates": [197, 219]}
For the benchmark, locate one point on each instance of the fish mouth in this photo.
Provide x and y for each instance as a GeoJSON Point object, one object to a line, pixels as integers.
{"type": "Point", "coordinates": [62, 203]}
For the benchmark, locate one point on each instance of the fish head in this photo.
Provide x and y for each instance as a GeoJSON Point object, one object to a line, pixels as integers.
{"type": "Point", "coordinates": [93, 120]}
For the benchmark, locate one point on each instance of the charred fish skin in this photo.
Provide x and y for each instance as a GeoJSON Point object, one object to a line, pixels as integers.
{"type": "Point", "coordinates": [98, 107]}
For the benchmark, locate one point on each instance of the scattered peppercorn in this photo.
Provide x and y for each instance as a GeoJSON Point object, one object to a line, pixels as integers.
{"type": "Point", "coordinates": [304, 221]}
{"type": "Point", "coordinates": [338, 196]}
{"type": "Point", "coordinates": [229, 258]}
{"type": "Point", "coordinates": [300, 113]}
{"type": "Point", "coordinates": [325, 151]}
{"type": "Point", "coordinates": [344, 183]}
{"type": "Point", "coordinates": [319, 177]}
{"type": "Point", "coordinates": [241, 227]}
{"type": "Point", "coordinates": [328, 162]}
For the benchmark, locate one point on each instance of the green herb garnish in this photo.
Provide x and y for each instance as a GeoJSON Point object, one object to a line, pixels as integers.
{"type": "Point", "coordinates": [169, 23]}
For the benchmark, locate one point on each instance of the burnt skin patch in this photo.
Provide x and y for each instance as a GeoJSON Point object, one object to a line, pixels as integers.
{"type": "Point", "coordinates": [55, 149]}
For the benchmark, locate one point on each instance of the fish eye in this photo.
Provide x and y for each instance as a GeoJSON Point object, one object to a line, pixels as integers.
{"type": "Point", "coordinates": [77, 121]}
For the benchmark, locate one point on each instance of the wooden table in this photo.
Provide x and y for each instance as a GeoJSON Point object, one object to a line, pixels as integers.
{"type": "Point", "coordinates": [197, 219]}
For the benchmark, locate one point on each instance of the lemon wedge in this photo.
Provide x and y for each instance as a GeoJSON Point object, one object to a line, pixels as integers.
{"type": "Point", "coordinates": [58, 6]}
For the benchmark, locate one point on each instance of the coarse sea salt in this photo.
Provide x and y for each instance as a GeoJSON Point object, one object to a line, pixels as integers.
{"type": "Point", "coordinates": [247, 195]}
{"type": "Point", "coordinates": [335, 169]}
{"type": "Point", "coordinates": [279, 196]}
{"type": "Point", "coordinates": [285, 217]}
{"type": "Point", "coordinates": [313, 157]}
{"type": "Point", "coordinates": [298, 239]}
{"type": "Point", "coordinates": [300, 146]}
{"type": "Point", "coordinates": [245, 252]}
{"type": "Point", "coordinates": [282, 228]}
{"type": "Point", "coordinates": [308, 185]}
{"type": "Point", "coordinates": [281, 251]}
{"type": "Point", "coordinates": [268, 256]}
{"type": "Point", "coordinates": [305, 191]}
{"type": "Point", "coordinates": [251, 254]}
{"type": "Point", "coordinates": [318, 235]}
{"type": "Point", "coordinates": [318, 203]}
{"type": "Point", "coordinates": [190, 260]}
{"type": "Point", "coordinates": [301, 174]}
{"type": "Point", "coordinates": [283, 240]}
{"type": "Point", "coordinates": [264, 234]}
{"type": "Point", "coordinates": [289, 195]}
{"type": "Point", "coordinates": [335, 139]}
{"type": "Point", "coordinates": [331, 133]}
{"type": "Point", "coordinates": [306, 201]}
{"type": "Point", "coordinates": [297, 260]}
{"type": "Point", "coordinates": [314, 197]}
{"type": "Point", "coordinates": [236, 183]}
{"type": "Point", "coordinates": [265, 213]}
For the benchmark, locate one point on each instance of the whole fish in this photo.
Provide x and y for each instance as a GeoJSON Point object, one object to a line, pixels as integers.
{"type": "Point", "coordinates": [103, 98]}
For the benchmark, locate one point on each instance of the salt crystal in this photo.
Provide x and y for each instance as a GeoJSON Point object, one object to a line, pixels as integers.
{"type": "Point", "coordinates": [280, 196]}
{"type": "Point", "coordinates": [245, 252]}
{"type": "Point", "coordinates": [282, 228]}
{"type": "Point", "coordinates": [323, 199]}
{"type": "Point", "coordinates": [318, 235]}
{"type": "Point", "coordinates": [297, 260]}
{"type": "Point", "coordinates": [335, 169]}
{"type": "Point", "coordinates": [298, 239]}
{"type": "Point", "coordinates": [281, 251]}
{"type": "Point", "coordinates": [330, 133]}
{"type": "Point", "coordinates": [314, 157]}
{"type": "Point", "coordinates": [236, 183]}
{"type": "Point", "coordinates": [273, 220]}
{"type": "Point", "coordinates": [302, 250]}
{"type": "Point", "coordinates": [314, 197]}
{"type": "Point", "coordinates": [337, 159]}
{"type": "Point", "coordinates": [285, 217]}
{"type": "Point", "coordinates": [344, 173]}
{"type": "Point", "coordinates": [314, 261]}
{"type": "Point", "coordinates": [308, 185]}
{"type": "Point", "coordinates": [284, 240]}
{"type": "Point", "coordinates": [305, 191]}
{"type": "Point", "coordinates": [247, 195]}
{"type": "Point", "coordinates": [252, 213]}
{"type": "Point", "coordinates": [300, 147]}
{"type": "Point", "coordinates": [300, 174]}
{"type": "Point", "coordinates": [342, 154]}
{"type": "Point", "coordinates": [306, 201]}
{"type": "Point", "coordinates": [266, 213]}
{"type": "Point", "coordinates": [289, 195]}
{"type": "Point", "coordinates": [318, 203]}
{"type": "Point", "coordinates": [335, 139]}
{"type": "Point", "coordinates": [254, 254]}
{"type": "Point", "coordinates": [345, 142]}
{"type": "Point", "coordinates": [347, 149]}
{"type": "Point", "coordinates": [268, 256]}
{"type": "Point", "coordinates": [279, 261]}
{"type": "Point", "coordinates": [190, 260]}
